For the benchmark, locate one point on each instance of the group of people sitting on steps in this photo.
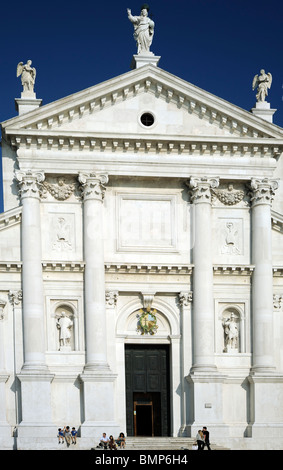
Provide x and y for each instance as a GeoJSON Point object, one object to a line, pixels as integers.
{"type": "Point", "coordinates": [111, 443]}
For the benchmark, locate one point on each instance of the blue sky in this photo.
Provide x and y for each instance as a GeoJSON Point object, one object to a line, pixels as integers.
{"type": "Point", "coordinates": [216, 45]}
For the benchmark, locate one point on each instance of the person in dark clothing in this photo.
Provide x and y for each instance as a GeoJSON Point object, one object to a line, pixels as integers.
{"type": "Point", "coordinates": [206, 438]}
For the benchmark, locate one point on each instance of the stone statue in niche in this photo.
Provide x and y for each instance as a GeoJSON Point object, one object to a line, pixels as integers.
{"type": "Point", "coordinates": [231, 333]}
{"type": "Point", "coordinates": [65, 326]}
{"type": "Point", "coordinates": [143, 29]}
{"type": "Point", "coordinates": [28, 74]}
{"type": "Point", "coordinates": [231, 237]}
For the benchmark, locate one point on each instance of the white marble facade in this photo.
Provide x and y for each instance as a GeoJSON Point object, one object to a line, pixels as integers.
{"type": "Point", "coordinates": [142, 190]}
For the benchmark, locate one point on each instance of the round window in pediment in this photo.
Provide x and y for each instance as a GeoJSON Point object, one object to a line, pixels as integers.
{"type": "Point", "coordinates": [147, 119]}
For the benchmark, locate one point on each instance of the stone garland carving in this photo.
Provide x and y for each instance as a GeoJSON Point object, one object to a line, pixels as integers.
{"type": "Point", "coordinates": [93, 185]}
{"type": "Point", "coordinates": [229, 196]}
{"type": "Point", "coordinates": [200, 188]}
{"type": "Point", "coordinates": [60, 190]}
{"type": "Point", "coordinates": [262, 190]}
{"type": "Point", "coordinates": [30, 183]}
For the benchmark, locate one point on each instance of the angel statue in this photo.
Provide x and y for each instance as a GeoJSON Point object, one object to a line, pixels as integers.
{"type": "Point", "coordinates": [263, 84]}
{"type": "Point", "coordinates": [143, 29]}
{"type": "Point", "coordinates": [28, 74]}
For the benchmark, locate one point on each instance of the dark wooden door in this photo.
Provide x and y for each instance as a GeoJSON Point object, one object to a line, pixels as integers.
{"type": "Point", "coordinates": [147, 380]}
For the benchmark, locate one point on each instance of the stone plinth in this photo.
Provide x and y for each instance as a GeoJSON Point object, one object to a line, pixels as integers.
{"type": "Point", "coordinates": [144, 59]}
{"type": "Point", "coordinates": [262, 109]}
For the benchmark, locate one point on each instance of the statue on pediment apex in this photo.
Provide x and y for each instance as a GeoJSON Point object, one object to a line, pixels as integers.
{"type": "Point", "coordinates": [143, 29]}
{"type": "Point", "coordinates": [263, 83]}
{"type": "Point", "coordinates": [28, 74]}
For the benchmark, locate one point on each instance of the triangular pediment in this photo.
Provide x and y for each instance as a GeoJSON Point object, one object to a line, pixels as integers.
{"type": "Point", "coordinates": [114, 107]}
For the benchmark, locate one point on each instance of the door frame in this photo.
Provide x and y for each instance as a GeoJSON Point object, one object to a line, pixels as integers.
{"type": "Point", "coordinates": [150, 403]}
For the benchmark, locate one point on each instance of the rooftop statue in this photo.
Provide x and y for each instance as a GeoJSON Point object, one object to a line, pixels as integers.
{"type": "Point", "coordinates": [28, 74]}
{"type": "Point", "coordinates": [263, 83]}
{"type": "Point", "coordinates": [143, 29]}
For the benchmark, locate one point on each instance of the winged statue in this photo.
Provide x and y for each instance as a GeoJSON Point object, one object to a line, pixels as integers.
{"type": "Point", "coordinates": [262, 82]}
{"type": "Point", "coordinates": [28, 74]}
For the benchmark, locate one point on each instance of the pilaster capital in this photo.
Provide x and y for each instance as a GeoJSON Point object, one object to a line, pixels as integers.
{"type": "Point", "coordinates": [93, 185]}
{"type": "Point", "coordinates": [111, 298]}
{"type": "Point", "coordinates": [2, 306]}
{"type": "Point", "coordinates": [185, 298]}
{"type": "Point", "coordinates": [15, 297]}
{"type": "Point", "coordinates": [262, 191]}
{"type": "Point", "coordinates": [200, 188]}
{"type": "Point", "coordinates": [30, 183]}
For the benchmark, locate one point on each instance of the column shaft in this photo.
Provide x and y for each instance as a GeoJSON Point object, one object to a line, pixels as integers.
{"type": "Point", "coordinates": [203, 306]}
{"type": "Point", "coordinates": [95, 310]}
{"type": "Point", "coordinates": [32, 281]}
{"type": "Point", "coordinates": [262, 282]}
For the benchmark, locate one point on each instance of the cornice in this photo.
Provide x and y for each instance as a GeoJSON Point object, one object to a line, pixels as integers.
{"type": "Point", "coordinates": [89, 143]}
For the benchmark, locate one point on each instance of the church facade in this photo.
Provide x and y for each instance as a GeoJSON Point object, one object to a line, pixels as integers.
{"type": "Point", "coordinates": [141, 265]}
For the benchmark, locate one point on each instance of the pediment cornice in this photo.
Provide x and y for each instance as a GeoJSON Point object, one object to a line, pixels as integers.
{"type": "Point", "coordinates": [148, 79]}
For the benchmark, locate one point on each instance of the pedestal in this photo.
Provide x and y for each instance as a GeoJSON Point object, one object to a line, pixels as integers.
{"type": "Point", "coordinates": [262, 109]}
{"type": "Point", "coordinates": [140, 60]}
{"type": "Point", "coordinates": [27, 102]}
{"type": "Point", "coordinates": [99, 405]}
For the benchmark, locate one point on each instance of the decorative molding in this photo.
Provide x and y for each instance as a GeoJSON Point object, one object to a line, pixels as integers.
{"type": "Point", "coordinates": [66, 266]}
{"type": "Point", "coordinates": [148, 269]}
{"type": "Point", "coordinates": [235, 270]}
{"type": "Point", "coordinates": [219, 146]}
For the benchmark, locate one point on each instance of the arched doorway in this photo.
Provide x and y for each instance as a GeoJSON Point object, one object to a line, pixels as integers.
{"type": "Point", "coordinates": [147, 368]}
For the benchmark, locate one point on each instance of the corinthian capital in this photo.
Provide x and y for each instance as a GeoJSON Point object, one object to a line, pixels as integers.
{"type": "Point", "coordinates": [93, 185]}
{"type": "Point", "coordinates": [30, 183]}
{"type": "Point", "coordinates": [200, 188]}
{"type": "Point", "coordinates": [262, 190]}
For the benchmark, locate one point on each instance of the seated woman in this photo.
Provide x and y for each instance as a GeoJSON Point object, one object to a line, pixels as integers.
{"type": "Point", "coordinates": [111, 443]}
{"type": "Point", "coordinates": [121, 441]}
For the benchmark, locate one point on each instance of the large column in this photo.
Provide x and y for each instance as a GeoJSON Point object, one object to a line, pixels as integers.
{"type": "Point", "coordinates": [203, 306]}
{"type": "Point", "coordinates": [95, 310]}
{"type": "Point", "coordinates": [98, 380]}
{"type": "Point", "coordinates": [32, 282]}
{"type": "Point", "coordinates": [35, 377]}
{"type": "Point", "coordinates": [265, 382]}
{"type": "Point", "coordinates": [262, 282]}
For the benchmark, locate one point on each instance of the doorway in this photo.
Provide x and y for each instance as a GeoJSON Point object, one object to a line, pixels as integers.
{"type": "Point", "coordinates": [147, 390]}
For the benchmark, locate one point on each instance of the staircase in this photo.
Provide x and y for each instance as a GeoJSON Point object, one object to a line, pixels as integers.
{"type": "Point", "coordinates": [163, 443]}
